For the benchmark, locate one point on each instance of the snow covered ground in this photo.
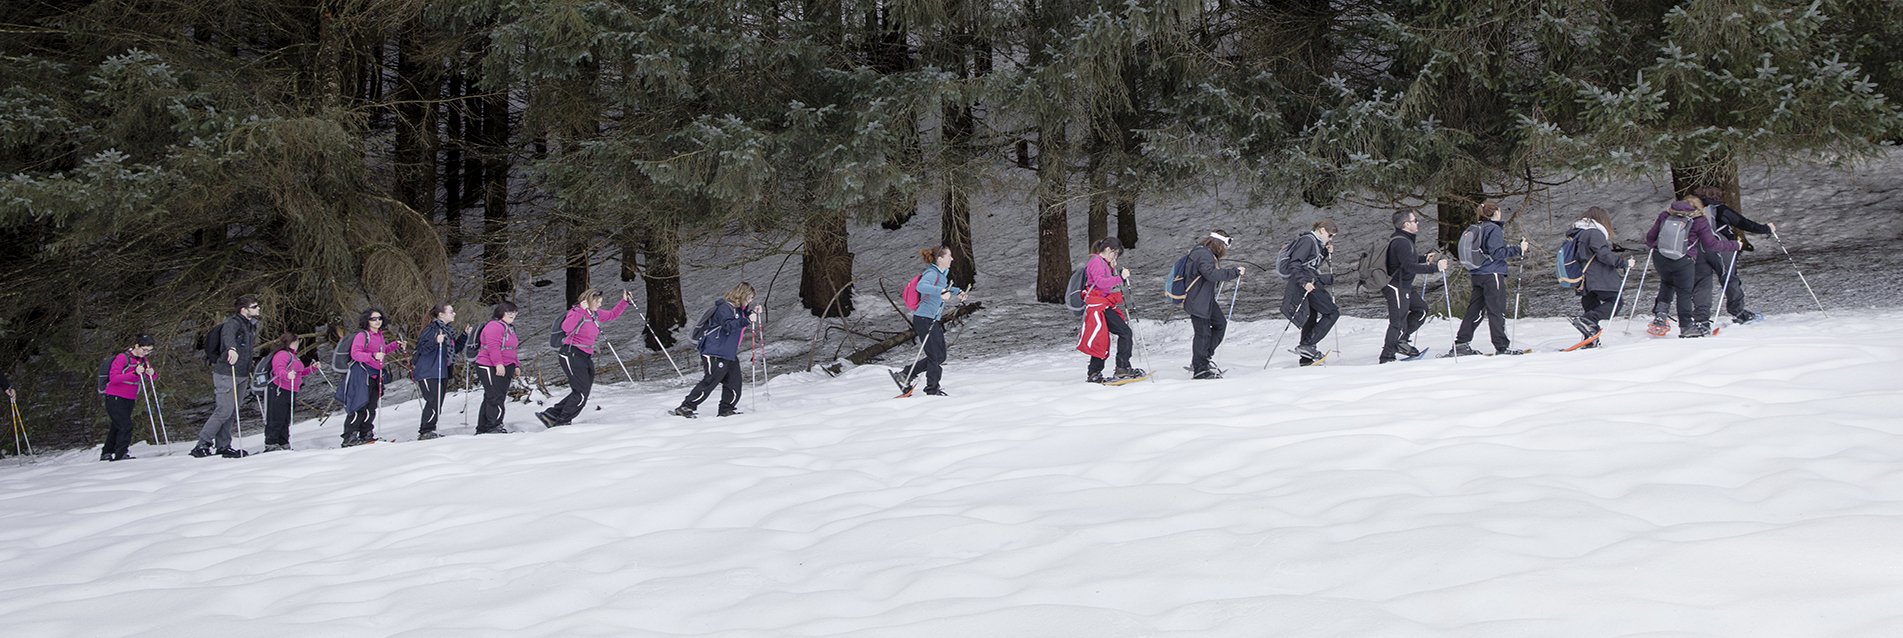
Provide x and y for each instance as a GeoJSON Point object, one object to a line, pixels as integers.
{"type": "Point", "coordinates": [1744, 485]}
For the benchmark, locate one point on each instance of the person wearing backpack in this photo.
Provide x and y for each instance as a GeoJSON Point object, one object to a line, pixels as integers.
{"type": "Point", "coordinates": [430, 365]}
{"type": "Point", "coordinates": [1485, 251]}
{"type": "Point", "coordinates": [1602, 275]}
{"type": "Point", "coordinates": [1306, 301]}
{"type": "Point", "coordinates": [123, 374]}
{"type": "Point", "coordinates": [1103, 313]}
{"type": "Point", "coordinates": [1679, 235]}
{"type": "Point", "coordinates": [1726, 222]}
{"type": "Point", "coordinates": [496, 365]}
{"type": "Point", "coordinates": [579, 329]}
{"type": "Point", "coordinates": [1406, 309]}
{"type": "Point", "coordinates": [719, 347]}
{"type": "Point", "coordinates": [362, 389]}
{"type": "Point", "coordinates": [229, 349]}
{"type": "Point", "coordinates": [287, 377]}
{"type": "Point", "coordinates": [933, 289]}
{"type": "Point", "coordinates": [1204, 271]}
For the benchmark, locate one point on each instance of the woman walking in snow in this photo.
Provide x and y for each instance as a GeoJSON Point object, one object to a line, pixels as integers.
{"type": "Point", "coordinates": [581, 327]}
{"type": "Point", "coordinates": [933, 289]}
{"type": "Point", "coordinates": [287, 377]}
{"type": "Point", "coordinates": [363, 387]}
{"type": "Point", "coordinates": [1601, 279]}
{"type": "Point", "coordinates": [1677, 238]}
{"type": "Point", "coordinates": [123, 376]}
{"type": "Point", "coordinates": [718, 341]}
{"type": "Point", "coordinates": [434, 347]}
{"type": "Point", "coordinates": [1103, 313]}
{"type": "Point", "coordinates": [1206, 320]}
{"type": "Point", "coordinates": [496, 365]}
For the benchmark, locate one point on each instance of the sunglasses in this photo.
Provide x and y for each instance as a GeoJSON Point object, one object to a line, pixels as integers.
{"type": "Point", "coordinates": [376, 318]}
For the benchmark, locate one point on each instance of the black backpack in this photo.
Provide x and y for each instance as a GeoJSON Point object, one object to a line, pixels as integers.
{"type": "Point", "coordinates": [340, 356]}
{"type": "Point", "coordinates": [1074, 291]}
{"type": "Point", "coordinates": [261, 375]}
{"type": "Point", "coordinates": [105, 371]}
{"type": "Point", "coordinates": [556, 335]}
{"type": "Point", "coordinates": [705, 326]}
{"type": "Point", "coordinates": [214, 344]}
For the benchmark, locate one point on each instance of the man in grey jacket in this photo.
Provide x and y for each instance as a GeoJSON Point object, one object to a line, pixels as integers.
{"type": "Point", "coordinates": [1306, 300]}
{"type": "Point", "coordinates": [237, 339]}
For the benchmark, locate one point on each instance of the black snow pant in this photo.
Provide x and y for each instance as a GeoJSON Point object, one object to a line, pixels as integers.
{"type": "Point", "coordinates": [1677, 287]}
{"type": "Point", "coordinates": [1314, 311]}
{"type": "Point", "coordinates": [1489, 300]}
{"type": "Point", "coordinates": [1597, 305]}
{"type": "Point", "coordinates": [1712, 268]}
{"type": "Point", "coordinates": [1113, 321]}
{"type": "Point", "coordinates": [580, 367]}
{"type": "Point", "coordinates": [1406, 312]}
{"type": "Point", "coordinates": [716, 371]}
{"type": "Point", "coordinates": [933, 361]}
{"type": "Point", "coordinates": [432, 390]}
{"type": "Point", "coordinates": [277, 415]}
{"type": "Point", "coordinates": [1209, 333]}
{"type": "Point", "coordinates": [118, 426]}
{"type": "Point", "coordinates": [362, 424]}
{"type": "Point", "coordinates": [495, 393]}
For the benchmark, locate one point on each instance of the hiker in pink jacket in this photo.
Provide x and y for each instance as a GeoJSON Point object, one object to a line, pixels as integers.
{"type": "Point", "coordinates": [363, 385]}
{"type": "Point", "coordinates": [496, 363]}
{"type": "Point", "coordinates": [580, 327]}
{"type": "Point", "coordinates": [287, 377]}
{"type": "Point", "coordinates": [123, 375]}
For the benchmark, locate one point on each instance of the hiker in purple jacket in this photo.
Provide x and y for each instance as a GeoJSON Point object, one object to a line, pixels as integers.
{"type": "Point", "coordinates": [1677, 238]}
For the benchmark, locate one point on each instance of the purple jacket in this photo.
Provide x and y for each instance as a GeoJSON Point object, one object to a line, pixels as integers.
{"type": "Point", "coordinates": [1700, 233]}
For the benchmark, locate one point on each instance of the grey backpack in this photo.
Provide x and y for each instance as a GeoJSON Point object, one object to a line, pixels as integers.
{"type": "Point", "coordinates": [1473, 252]}
{"type": "Point", "coordinates": [1675, 236]}
{"type": "Point", "coordinates": [1074, 292]}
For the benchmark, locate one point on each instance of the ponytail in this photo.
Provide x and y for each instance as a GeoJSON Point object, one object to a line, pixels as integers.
{"type": "Point", "coordinates": [930, 255]}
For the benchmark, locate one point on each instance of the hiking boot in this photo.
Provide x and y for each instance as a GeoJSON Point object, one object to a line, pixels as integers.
{"type": "Point", "coordinates": [353, 441]}
{"type": "Point", "coordinates": [1406, 349]}
{"type": "Point", "coordinates": [548, 421]}
{"type": "Point", "coordinates": [273, 447]}
{"type": "Point", "coordinates": [683, 412]}
{"type": "Point", "coordinates": [425, 436]}
{"type": "Point", "coordinates": [1585, 327]}
{"type": "Point", "coordinates": [232, 453]}
{"type": "Point", "coordinates": [937, 392]}
{"type": "Point", "coordinates": [1308, 352]}
{"type": "Point", "coordinates": [1093, 377]}
{"type": "Point", "coordinates": [1748, 317]}
{"type": "Point", "coordinates": [122, 456]}
{"type": "Point", "coordinates": [903, 382]}
{"type": "Point", "coordinates": [1513, 351]}
{"type": "Point", "coordinates": [1464, 350]}
{"type": "Point", "coordinates": [1695, 330]}
{"type": "Point", "coordinates": [201, 451]}
{"type": "Point", "coordinates": [1211, 373]}
{"type": "Point", "coordinates": [495, 431]}
{"type": "Point", "coordinates": [1129, 373]}
{"type": "Point", "coordinates": [728, 412]}
{"type": "Point", "coordinates": [1659, 327]}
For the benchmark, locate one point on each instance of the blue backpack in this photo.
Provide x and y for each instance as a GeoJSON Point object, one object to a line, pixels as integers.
{"type": "Point", "coordinates": [1176, 284]}
{"type": "Point", "coordinates": [1567, 267]}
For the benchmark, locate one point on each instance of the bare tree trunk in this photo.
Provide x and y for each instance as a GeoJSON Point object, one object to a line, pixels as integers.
{"type": "Point", "coordinates": [826, 266]}
{"type": "Point", "coordinates": [419, 80]}
{"type": "Point", "coordinates": [498, 276]}
{"type": "Point", "coordinates": [456, 137]}
{"type": "Point", "coordinates": [1719, 173]}
{"type": "Point", "coordinates": [660, 248]}
{"type": "Point", "coordinates": [1053, 216]}
{"type": "Point", "coordinates": [1454, 212]}
{"type": "Point", "coordinates": [576, 272]}
{"type": "Point", "coordinates": [955, 215]}
{"type": "Point", "coordinates": [1126, 216]}
{"type": "Point", "coordinates": [1098, 225]}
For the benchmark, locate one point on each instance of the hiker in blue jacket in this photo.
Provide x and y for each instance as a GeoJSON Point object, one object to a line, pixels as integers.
{"type": "Point", "coordinates": [934, 289]}
{"type": "Point", "coordinates": [720, 352]}
{"type": "Point", "coordinates": [1489, 276]}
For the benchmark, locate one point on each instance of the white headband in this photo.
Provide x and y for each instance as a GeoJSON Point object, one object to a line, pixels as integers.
{"type": "Point", "coordinates": [1219, 237]}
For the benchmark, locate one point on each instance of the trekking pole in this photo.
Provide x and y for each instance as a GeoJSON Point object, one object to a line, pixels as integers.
{"type": "Point", "coordinates": [657, 341]}
{"type": "Point", "coordinates": [157, 400]}
{"type": "Point", "coordinates": [1514, 328]}
{"type": "Point", "coordinates": [19, 431]}
{"type": "Point", "coordinates": [1637, 294]}
{"type": "Point", "coordinates": [1447, 297]}
{"type": "Point", "coordinates": [911, 367]}
{"type": "Point", "coordinates": [145, 391]}
{"type": "Point", "coordinates": [1620, 295]}
{"type": "Point", "coordinates": [1724, 292]}
{"type": "Point", "coordinates": [237, 410]}
{"type": "Point", "coordinates": [1285, 327]}
{"type": "Point", "coordinates": [617, 355]}
{"type": "Point", "coordinates": [1233, 294]}
{"type": "Point", "coordinates": [1800, 273]}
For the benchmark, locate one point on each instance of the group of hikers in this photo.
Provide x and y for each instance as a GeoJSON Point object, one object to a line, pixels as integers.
{"type": "Point", "coordinates": [1691, 243]}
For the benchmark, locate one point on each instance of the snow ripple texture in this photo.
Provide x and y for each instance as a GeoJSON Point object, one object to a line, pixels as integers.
{"type": "Point", "coordinates": [1745, 485]}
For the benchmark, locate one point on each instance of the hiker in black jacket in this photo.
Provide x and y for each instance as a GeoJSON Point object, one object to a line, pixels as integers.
{"type": "Point", "coordinates": [1305, 300]}
{"type": "Point", "coordinates": [1599, 283]}
{"type": "Point", "coordinates": [1205, 314]}
{"type": "Point", "coordinates": [1488, 299]}
{"type": "Point", "coordinates": [230, 369]}
{"type": "Point", "coordinates": [1406, 309]}
{"type": "Point", "coordinates": [1726, 221]}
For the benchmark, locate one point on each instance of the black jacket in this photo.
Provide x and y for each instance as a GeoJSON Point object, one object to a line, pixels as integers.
{"type": "Point", "coordinates": [240, 334]}
{"type": "Point", "coordinates": [1307, 255]}
{"type": "Point", "coordinates": [1403, 264]}
{"type": "Point", "coordinates": [1604, 269]}
{"type": "Point", "coordinates": [1200, 300]}
{"type": "Point", "coordinates": [1724, 219]}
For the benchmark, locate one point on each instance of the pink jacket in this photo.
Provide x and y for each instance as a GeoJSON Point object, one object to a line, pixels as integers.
{"type": "Point", "coordinates": [498, 343]}
{"type": "Point", "coordinates": [122, 380]}
{"type": "Point", "coordinates": [285, 362]}
{"type": "Point", "coordinates": [366, 345]}
{"type": "Point", "coordinates": [1099, 275]}
{"type": "Point", "coordinates": [583, 330]}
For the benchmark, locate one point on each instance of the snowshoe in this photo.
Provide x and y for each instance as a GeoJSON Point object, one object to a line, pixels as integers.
{"type": "Point", "coordinates": [425, 436]}
{"type": "Point", "coordinates": [1748, 317]}
{"type": "Point", "coordinates": [232, 453]}
{"type": "Point", "coordinates": [1591, 341]}
{"type": "Point", "coordinates": [201, 451]}
{"type": "Point", "coordinates": [1407, 351]}
{"type": "Point", "coordinates": [1659, 327]}
{"type": "Point", "coordinates": [273, 447]}
{"type": "Point", "coordinates": [937, 392]}
{"type": "Point", "coordinates": [1695, 330]}
{"type": "Point", "coordinates": [1418, 354]}
{"type": "Point", "coordinates": [1308, 352]}
{"type": "Point", "coordinates": [905, 384]}
{"type": "Point", "coordinates": [1462, 350]}
{"type": "Point", "coordinates": [548, 421]}
{"type": "Point", "coordinates": [728, 412]}
{"type": "Point", "coordinates": [1513, 351]}
{"type": "Point", "coordinates": [495, 431]}
{"type": "Point", "coordinates": [1094, 377]}
{"type": "Point", "coordinates": [1306, 362]}
{"type": "Point", "coordinates": [122, 456]}
{"type": "Point", "coordinates": [683, 412]}
{"type": "Point", "coordinates": [1130, 373]}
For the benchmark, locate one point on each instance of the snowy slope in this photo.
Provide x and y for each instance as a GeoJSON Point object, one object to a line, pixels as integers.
{"type": "Point", "coordinates": [1745, 485]}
